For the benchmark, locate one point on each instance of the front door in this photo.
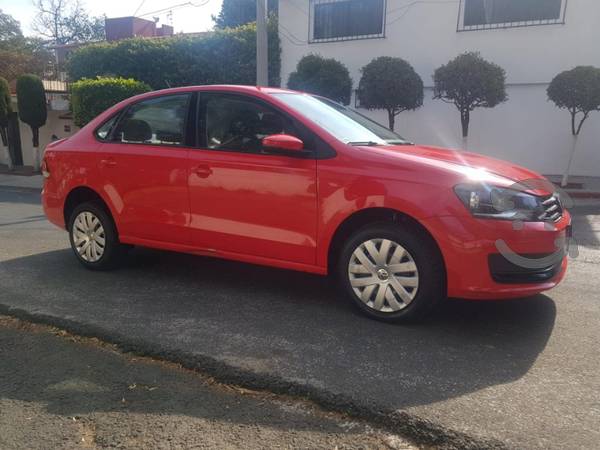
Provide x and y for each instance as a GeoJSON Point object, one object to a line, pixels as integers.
{"type": "Point", "coordinates": [143, 164]}
{"type": "Point", "coordinates": [245, 201]}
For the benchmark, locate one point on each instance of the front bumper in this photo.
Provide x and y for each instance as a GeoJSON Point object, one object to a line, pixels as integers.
{"type": "Point", "coordinates": [474, 250]}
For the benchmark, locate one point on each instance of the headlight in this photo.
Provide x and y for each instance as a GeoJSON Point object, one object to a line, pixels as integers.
{"type": "Point", "coordinates": [494, 202]}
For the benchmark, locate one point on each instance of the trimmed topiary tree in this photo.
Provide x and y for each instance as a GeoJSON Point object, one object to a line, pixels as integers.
{"type": "Point", "coordinates": [322, 76]}
{"type": "Point", "coordinates": [91, 97]}
{"type": "Point", "coordinates": [578, 91]}
{"type": "Point", "coordinates": [391, 84]}
{"type": "Point", "coordinates": [468, 82]}
{"type": "Point", "coordinates": [31, 101]}
{"type": "Point", "coordinates": [5, 111]}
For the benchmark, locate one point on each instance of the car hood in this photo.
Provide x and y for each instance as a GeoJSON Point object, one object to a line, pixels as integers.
{"type": "Point", "coordinates": [464, 164]}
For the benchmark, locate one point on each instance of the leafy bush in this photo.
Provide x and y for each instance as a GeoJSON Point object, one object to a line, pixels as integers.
{"type": "Point", "coordinates": [219, 57]}
{"type": "Point", "coordinates": [469, 82]}
{"type": "Point", "coordinates": [391, 84]}
{"type": "Point", "coordinates": [31, 101]}
{"type": "Point", "coordinates": [578, 91]}
{"type": "Point", "coordinates": [91, 97]}
{"type": "Point", "coordinates": [322, 76]}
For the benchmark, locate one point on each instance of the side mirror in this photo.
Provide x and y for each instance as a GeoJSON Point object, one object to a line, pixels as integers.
{"type": "Point", "coordinates": [283, 142]}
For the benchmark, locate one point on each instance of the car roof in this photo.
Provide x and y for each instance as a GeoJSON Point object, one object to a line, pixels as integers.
{"type": "Point", "coordinates": [221, 87]}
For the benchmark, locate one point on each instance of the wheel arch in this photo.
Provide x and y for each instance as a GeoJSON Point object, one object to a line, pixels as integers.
{"type": "Point", "coordinates": [364, 217]}
{"type": "Point", "coordinates": [80, 195]}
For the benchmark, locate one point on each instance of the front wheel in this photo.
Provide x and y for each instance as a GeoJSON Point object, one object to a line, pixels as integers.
{"type": "Point", "coordinates": [392, 273]}
{"type": "Point", "coordinates": [93, 237]}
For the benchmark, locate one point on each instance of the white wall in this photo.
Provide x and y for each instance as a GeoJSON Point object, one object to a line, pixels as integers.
{"type": "Point", "coordinates": [54, 125]}
{"type": "Point", "coordinates": [527, 129]}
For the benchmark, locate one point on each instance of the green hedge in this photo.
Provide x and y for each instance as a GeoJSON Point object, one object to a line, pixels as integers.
{"type": "Point", "coordinates": [220, 57]}
{"type": "Point", "coordinates": [90, 97]}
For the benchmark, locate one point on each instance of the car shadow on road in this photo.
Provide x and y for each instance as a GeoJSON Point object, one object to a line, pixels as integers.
{"type": "Point", "coordinates": [287, 325]}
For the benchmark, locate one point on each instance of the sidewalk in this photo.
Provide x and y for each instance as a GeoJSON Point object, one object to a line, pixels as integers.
{"type": "Point", "coordinates": [579, 187]}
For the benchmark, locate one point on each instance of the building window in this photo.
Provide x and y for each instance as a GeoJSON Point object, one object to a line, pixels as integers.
{"type": "Point", "coordinates": [491, 14]}
{"type": "Point", "coordinates": [340, 20]}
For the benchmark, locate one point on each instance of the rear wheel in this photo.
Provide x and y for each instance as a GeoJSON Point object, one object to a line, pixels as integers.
{"type": "Point", "coordinates": [392, 273]}
{"type": "Point", "coordinates": [93, 237]}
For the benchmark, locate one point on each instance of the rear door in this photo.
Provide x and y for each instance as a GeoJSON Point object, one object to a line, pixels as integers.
{"type": "Point", "coordinates": [143, 165]}
{"type": "Point", "coordinates": [243, 199]}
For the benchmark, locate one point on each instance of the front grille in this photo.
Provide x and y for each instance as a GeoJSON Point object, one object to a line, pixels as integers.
{"type": "Point", "coordinates": [553, 210]}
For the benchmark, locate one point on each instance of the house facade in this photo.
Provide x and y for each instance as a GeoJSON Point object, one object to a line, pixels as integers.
{"type": "Point", "coordinates": [533, 40]}
{"type": "Point", "coordinates": [59, 122]}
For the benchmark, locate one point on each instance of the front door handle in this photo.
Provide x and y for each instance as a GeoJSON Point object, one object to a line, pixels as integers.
{"type": "Point", "coordinates": [109, 162]}
{"type": "Point", "coordinates": [203, 171]}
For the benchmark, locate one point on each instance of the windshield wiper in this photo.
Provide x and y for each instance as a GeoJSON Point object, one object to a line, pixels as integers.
{"type": "Point", "coordinates": [398, 142]}
{"type": "Point", "coordinates": [365, 143]}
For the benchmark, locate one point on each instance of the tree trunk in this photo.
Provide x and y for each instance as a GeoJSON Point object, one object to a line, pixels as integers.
{"type": "Point", "coordinates": [565, 178]}
{"type": "Point", "coordinates": [4, 133]}
{"type": "Point", "coordinates": [464, 121]}
{"type": "Point", "coordinates": [36, 149]}
{"type": "Point", "coordinates": [391, 119]}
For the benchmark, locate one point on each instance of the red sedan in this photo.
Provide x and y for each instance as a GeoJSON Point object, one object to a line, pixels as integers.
{"type": "Point", "coordinates": [287, 179]}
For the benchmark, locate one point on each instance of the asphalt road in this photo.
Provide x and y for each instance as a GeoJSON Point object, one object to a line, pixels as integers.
{"type": "Point", "coordinates": [59, 391]}
{"type": "Point", "coordinates": [523, 373]}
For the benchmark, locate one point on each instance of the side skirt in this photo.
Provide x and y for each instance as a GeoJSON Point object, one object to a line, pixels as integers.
{"type": "Point", "coordinates": [259, 260]}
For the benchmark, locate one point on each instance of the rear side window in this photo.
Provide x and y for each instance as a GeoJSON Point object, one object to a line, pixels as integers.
{"type": "Point", "coordinates": [160, 120]}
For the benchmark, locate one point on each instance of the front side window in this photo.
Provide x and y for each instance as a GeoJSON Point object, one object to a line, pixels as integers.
{"type": "Point", "coordinates": [487, 14]}
{"type": "Point", "coordinates": [159, 120]}
{"type": "Point", "coordinates": [345, 124]}
{"type": "Point", "coordinates": [335, 20]}
{"type": "Point", "coordinates": [239, 124]}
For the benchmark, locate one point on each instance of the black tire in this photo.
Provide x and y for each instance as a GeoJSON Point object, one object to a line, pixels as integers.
{"type": "Point", "coordinates": [431, 272]}
{"type": "Point", "coordinates": [113, 251]}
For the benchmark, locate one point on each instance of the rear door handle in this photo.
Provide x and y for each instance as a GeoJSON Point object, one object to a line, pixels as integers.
{"type": "Point", "coordinates": [203, 171]}
{"type": "Point", "coordinates": [109, 162]}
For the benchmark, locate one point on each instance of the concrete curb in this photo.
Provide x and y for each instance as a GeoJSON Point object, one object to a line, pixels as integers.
{"type": "Point", "coordinates": [584, 194]}
{"type": "Point", "coordinates": [413, 427]}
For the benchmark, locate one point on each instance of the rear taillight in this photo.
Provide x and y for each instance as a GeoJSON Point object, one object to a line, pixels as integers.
{"type": "Point", "coordinates": [44, 169]}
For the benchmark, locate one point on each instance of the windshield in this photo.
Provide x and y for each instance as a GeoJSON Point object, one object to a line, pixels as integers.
{"type": "Point", "coordinates": [344, 123]}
